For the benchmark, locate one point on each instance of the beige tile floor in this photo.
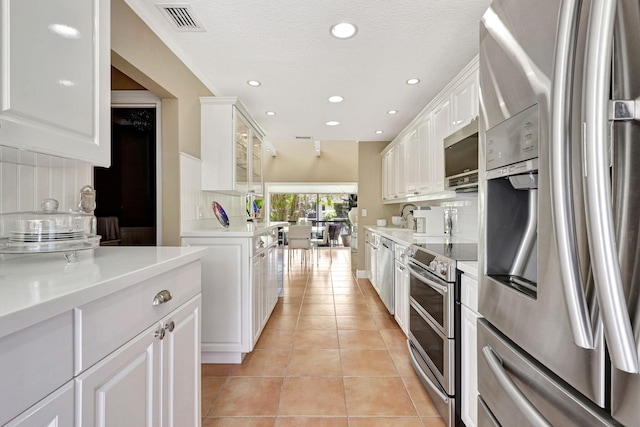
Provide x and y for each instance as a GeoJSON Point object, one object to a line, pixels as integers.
{"type": "Point", "coordinates": [330, 356]}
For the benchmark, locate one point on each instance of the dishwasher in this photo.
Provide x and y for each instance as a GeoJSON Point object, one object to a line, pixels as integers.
{"type": "Point", "coordinates": [386, 288]}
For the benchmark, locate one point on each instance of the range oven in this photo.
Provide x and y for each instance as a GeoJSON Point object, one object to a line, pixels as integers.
{"type": "Point", "coordinates": [434, 321]}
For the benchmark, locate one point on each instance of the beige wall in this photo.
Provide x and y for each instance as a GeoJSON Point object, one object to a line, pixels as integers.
{"type": "Point", "coordinates": [370, 191]}
{"type": "Point", "coordinates": [296, 162]}
{"type": "Point", "coordinates": [138, 53]}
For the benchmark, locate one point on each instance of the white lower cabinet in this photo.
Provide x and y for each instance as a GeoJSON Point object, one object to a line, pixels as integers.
{"type": "Point", "coordinates": [239, 292]}
{"type": "Point", "coordinates": [124, 389]}
{"type": "Point", "coordinates": [130, 358]}
{"type": "Point", "coordinates": [264, 290]}
{"type": "Point", "coordinates": [469, 328]}
{"type": "Point", "coordinates": [55, 410]}
{"type": "Point", "coordinates": [152, 380]}
{"type": "Point", "coordinates": [401, 279]}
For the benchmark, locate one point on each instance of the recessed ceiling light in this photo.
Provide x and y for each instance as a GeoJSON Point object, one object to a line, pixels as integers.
{"type": "Point", "coordinates": [332, 123]}
{"type": "Point", "coordinates": [392, 112]}
{"type": "Point", "coordinates": [343, 30]}
{"type": "Point", "coordinates": [270, 113]}
{"type": "Point", "coordinates": [254, 83]}
{"type": "Point", "coordinates": [336, 98]}
{"type": "Point", "coordinates": [413, 81]}
{"type": "Point", "coordinates": [379, 131]}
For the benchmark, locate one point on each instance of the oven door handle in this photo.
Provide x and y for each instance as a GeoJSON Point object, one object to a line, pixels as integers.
{"type": "Point", "coordinates": [425, 377]}
{"type": "Point", "coordinates": [414, 273]}
{"type": "Point", "coordinates": [519, 399]}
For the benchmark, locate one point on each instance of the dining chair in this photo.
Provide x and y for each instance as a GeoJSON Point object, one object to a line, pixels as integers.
{"type": "Point", "coordinates": [322, 240]}
{"type": "Point", "coordinates": [299, 237]}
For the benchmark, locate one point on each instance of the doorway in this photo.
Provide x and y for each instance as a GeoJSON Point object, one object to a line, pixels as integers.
{"type": "Point", "coordinates": [128, 191]}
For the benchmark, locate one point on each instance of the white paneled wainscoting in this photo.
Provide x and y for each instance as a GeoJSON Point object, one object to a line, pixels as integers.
{"type": "Point", "coordinates": [27, 178]}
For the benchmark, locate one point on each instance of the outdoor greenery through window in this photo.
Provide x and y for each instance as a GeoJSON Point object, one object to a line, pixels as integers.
{"type": "Point", "coordinates": [312, 206]}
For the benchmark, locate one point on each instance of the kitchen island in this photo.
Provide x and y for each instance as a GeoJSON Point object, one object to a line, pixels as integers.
{"type": "Point", "coordinates": [115, 334]}
{"type": "Point", "coordinates": [240, 276]}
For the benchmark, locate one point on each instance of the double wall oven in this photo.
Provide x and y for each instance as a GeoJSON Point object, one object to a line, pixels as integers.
{"type": "Point", "coordinates": [434, 321]}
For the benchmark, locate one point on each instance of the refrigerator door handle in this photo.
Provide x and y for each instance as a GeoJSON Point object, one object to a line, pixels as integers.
{"type": "Point", "coordinates": [519, 399]}
{"type": "Point", "coordinates": [600, 230]}
{"type": "Point", "coordinates": [562, 208]}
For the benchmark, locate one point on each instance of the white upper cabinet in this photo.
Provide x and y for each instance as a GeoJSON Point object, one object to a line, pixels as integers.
{"type": "Point", "coordinates": [464, 99]}
{"type": "Point", "coordinates": [231, 147]}
{"type": "Point", "coordinates": [410, 163]}
{"type": "Point", "coordinates": [55, 78]}
{"type": "Point", "coordinates": [441, 129]}
{"type": "Point", "coordinates": [425, 154]}
{"type": "Point", "coordinates": [418, 170]}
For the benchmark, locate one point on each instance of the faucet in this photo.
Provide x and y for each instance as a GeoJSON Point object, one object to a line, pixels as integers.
{"type": "Point", "coordinates": [403, 216]}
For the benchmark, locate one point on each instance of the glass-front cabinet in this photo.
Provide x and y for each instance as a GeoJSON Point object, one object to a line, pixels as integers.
{"type": "Point", "coordinates": [241, 142]}
{"type": "Point", "coordinates": [231, 147]}
{"type": "Point", "coordinates": [256, 164]}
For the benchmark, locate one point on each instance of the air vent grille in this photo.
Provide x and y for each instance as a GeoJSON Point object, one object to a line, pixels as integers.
{"type": "Point", "coordinates": [181, 16]}
{"type": "Point", "coordinates": [306, 138]}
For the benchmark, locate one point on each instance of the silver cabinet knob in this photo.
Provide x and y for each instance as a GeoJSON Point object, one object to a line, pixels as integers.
{"type": "Point", "coordinates": [170, 326]}
{"type": "Point", "coordinates": [159, 333]}
{"type": "Point", "coordinates": [162, 297]}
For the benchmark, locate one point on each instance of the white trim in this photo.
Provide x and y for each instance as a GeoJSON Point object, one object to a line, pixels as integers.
{"type": "Point", "coordinates": [146, 99]}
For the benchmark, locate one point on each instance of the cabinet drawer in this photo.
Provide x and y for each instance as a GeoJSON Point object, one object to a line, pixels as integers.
{"type": "Point", "coordinates": [33, 363]}
{"type": "Point", "coordinates": [469, 292]}
{"type": "Point", "coordinates": [106, 324]}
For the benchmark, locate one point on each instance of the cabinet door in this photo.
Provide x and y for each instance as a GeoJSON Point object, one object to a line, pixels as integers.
{"type": "Point", "coordinates": [273, 279]}
{"type": "Point", "coordinates": [469, 394]}
{"type": "Point", "coordinates": [441, 129]}
{"type": "Point", "coordinates": [55, 78]}
{"type": "Point", "coordinates": [256, 297]}
{"type": "Point", "coordinates": [256, 163]}
{"type": "Point", "coordinates": [367, 259]}
{"type": "Point", "coordinates": [54, 410]}
{"type": "Point", "coordinates": [373, 277]}
{"type": "Point", "coordinates": [123, 389]}
{"type": "Point", "coordinates": [399, 314]}
{"type": "Point", "coordinates": [242, 149]}
{"type": "Point", "coordinates": [181, 366]}
{"type": "Point", "coordinates": [465, 101]}
{"type": "Point", "coordinates": [409, 163]}
{"type": "Point", "coordinates": [425, 154]}
{"type": "Point", "coordinates": [386, 176]}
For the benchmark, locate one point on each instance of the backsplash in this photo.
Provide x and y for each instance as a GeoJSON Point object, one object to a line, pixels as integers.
{"type": "Point", "coordinates": [464, 214]}
{"type": "Point", "coordinates": [27, 178]}
{"type": "Point", "coordinates": [195, 204]}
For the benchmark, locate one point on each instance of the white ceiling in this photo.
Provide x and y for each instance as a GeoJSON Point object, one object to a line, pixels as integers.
{"type": "Point", "coordinates": [286, 45]}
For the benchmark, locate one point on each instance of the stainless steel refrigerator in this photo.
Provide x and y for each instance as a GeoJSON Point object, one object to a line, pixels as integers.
{"type": "Point", "coordinates": [560, 213]}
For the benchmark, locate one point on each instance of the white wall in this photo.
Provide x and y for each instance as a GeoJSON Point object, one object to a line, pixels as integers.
{"type": "Point", "coordinates": [27, 178]}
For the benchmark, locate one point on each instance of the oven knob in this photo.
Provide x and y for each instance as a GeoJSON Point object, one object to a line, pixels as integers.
{"type": "Point", "coordinates": [433, 265]}
{"type": "Point", "coordinates": [442, 268]}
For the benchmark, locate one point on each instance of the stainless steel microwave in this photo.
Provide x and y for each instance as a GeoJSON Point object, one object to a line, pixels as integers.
{"type": "Point", "coordinates": [461, 159]}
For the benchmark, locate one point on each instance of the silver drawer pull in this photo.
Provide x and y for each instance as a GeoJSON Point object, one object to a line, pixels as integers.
{"type": "Point", "coordinates": [162, 297]}
{"type": "Point", "coordinates": [170, 326]}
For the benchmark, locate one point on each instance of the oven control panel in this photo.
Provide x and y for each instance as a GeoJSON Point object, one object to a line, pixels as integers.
{"type": "Point", "coordinates": [440, 265]}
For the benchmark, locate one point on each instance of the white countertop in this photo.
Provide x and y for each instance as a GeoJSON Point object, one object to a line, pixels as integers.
{"type": "Point", "coordinates": [405, 236]}
{"type": "Point", "coordinates": [469, 267]}
{"type": "Point", "coordinates": [211, 229]}
{"type": "Point", "coordinates": [37, 287]}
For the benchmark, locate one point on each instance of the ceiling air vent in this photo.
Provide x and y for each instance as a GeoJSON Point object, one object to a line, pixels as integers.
{"type": "Point", "coordinates": [181, 17]}
{"type": "Point", "coordinates": [305, 138]}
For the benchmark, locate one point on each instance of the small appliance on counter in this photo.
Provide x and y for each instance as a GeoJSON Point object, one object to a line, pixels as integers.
{"type": "Point", "coordinates": [48, 231]}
